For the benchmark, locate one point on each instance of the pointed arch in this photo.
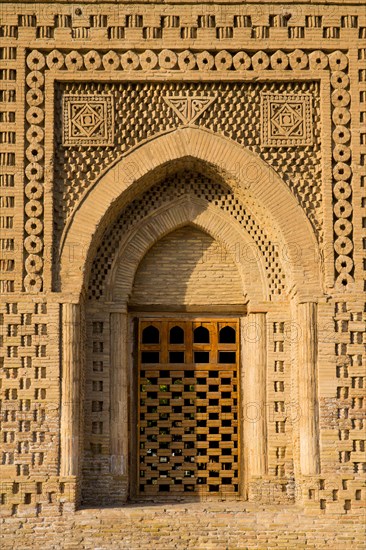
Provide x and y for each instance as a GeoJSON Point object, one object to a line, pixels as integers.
{"type": "Point", "coordinates": [176, 214]}
{"type": "Point", "coordinates": [242, 169]}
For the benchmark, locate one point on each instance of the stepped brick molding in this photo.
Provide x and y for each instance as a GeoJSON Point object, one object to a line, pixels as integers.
{"type": "Point", "coordinates": [182, 271]}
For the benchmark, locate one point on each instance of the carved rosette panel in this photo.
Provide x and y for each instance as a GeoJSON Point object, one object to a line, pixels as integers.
{"type": "Point", "coordinates": [167, 60]}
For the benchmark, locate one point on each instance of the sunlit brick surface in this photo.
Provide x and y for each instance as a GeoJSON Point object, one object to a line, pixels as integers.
{"type": "Point", "coordinates": [182, 161]}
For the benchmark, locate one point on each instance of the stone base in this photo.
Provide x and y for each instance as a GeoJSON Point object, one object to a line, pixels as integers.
{"type": "Point", "coordinates": [203, 525]}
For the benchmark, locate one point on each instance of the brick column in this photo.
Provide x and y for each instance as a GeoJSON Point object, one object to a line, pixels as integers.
{"type": "Point", "coordinates": [119, 394]}
{"type": "Point", "coordinates": [70, 390]}
{"type": "Point", "coordinates": [254, 346]}
{"type": "Point", "coordinates": [307, 383]}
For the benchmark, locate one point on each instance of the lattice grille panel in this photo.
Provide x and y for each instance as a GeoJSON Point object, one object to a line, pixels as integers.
{"type": "Point", "coordinates": [188, 408]}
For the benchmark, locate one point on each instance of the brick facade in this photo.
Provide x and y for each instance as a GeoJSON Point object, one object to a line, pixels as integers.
{"type": "Point", "coordinates": [162, 159]}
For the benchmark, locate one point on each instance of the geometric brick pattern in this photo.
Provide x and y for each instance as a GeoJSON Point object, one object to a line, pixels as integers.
{"type": "Point", "coordinates": [29, 408]}
{"type": "Point", "coordinates": [10, 236]}
{"type": "Point", "coordinates": [96, 410]}
{"type": "Point", "coordinates": [204, 40]}
{"type": "Point", "coordinates": [350, 329]}
{"type": "Point", "coordinates": [88, 120]}
{"type": "Point", "coordinates": [168, 59]}
{"type": "Point", "coordinates": [35, 176]}
{"type": "Point", "coordinates": [188, 108]}
{"type": "Point", "coordinates": [359, 180]}
{"type": "Point", "coordinates": [236, 113]}
{"type": "Point", "coordinates": [342, 171]}
{"type": "Point", "coordinates": [175, 186]}
{"type": "Point", "coordinates": [286, 120]}
{"type": "Point", "coordinates": [282, 413]}
{"type": "Point", "coordinates": [237, 23]}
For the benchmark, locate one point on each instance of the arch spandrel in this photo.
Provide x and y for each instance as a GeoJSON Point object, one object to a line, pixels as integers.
{"type": "Point", "coordinates": [120, 184]}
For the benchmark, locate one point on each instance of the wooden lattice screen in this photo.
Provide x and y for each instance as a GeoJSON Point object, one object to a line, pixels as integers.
{"type": "Point", "coordinates": [188, 407]}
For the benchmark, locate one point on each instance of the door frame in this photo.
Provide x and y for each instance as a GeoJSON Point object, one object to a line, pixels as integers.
{"type": "Point", "coordinates": [198, 314]}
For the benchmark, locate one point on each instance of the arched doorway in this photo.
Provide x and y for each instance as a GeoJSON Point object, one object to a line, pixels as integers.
{"type": "Point", "coordinates": [186, 280]}
{"type": "Point", "coordinates": [188, 426]}
{"type": "Point", "coordinates": [187, 369]}
{"type": "Point", "coordinates": [235, 219]}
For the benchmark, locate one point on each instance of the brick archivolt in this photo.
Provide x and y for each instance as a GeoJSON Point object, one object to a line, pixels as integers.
{"type": "Point", "coordinates": [188, 211]}
{"type": "Point", "coordinates": [315, 64]}
{"type": "Point", "coordinates": [191, 184]}
{"type": "Point", "coordinates": [279, 208]}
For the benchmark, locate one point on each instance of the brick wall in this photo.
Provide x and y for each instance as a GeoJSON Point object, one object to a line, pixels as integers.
{"type": "Point", "coordinates": [187, 267]}
{"type": "Point", "coordinates": [233, 53]}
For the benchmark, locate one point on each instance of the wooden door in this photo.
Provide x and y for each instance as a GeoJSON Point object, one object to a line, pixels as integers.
{"type": "Point", "coordinates": [188, 425]}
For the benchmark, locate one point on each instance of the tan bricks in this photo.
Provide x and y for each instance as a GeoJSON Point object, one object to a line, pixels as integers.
{"type": "Point", "coordinates": [183, 160]}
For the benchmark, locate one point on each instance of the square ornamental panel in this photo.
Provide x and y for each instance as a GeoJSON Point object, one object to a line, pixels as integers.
{"type": "Point", "coordinates": [88, 120]}
{"type": "Point", "coordinates": [286, 120]}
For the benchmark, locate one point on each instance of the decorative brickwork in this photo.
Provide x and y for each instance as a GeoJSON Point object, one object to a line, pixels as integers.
{"type": "Point", "coordinates": [235, 113]}
{"type": "Point", "coordinates": [88, 121]}
{"type": "Point", "coordinates": [96, 471]}
{"type": "Point", "coordinates": [179, 185]}
{"type": "Point", "coordinates": [29, 419]}
{"type": "Point", "coordinates": [187, 108]}
{"type": "Point", "coordinates": [283, 413]}
{"type": "Point", "coordinates": [287, 120]}
{"type": "Point", "coordinates": [34, 190]}
{"type": "Point", "coordinates": [202, 163]}
{"type": "Point", "coordinates": [350, 328]}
